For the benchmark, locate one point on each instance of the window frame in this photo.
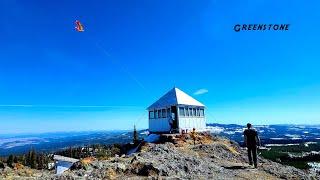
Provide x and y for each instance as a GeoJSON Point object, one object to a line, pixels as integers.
{"type": "Point", "coordinates": [151, 117]}
{"type": "Point", "coordinates": [156, 114]}
{"type": "Point", "coordinates": [190, 113]}
{"type": "Point", "coordinates": [164, 113]}
{"type": "Point", "coordinates": [182, 112]}
{"type": "Point", "coordinates": [201, 112]}
{"type": "Point", "coordinates": [186, 111]}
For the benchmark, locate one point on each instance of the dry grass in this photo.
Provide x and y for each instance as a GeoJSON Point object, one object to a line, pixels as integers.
{"type": "Point", "coordinates": [87, 160]}
{"type": "Point", "coordinates": [228, 146]}
{"type": "Point", "coordinates": [18, 166]}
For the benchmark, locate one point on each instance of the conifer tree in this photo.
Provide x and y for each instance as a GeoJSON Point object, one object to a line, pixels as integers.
{"type": "Point", "coordinates": [41, 161]}
{"type": "Point", "coordinates": [33, 159]}
{"type": "Point", "coordinates": [28, 159]}
{"type": "Point", "coordinates": [10, 161]}
{"type": "Point", "coordinates": [15, 159]}
{"type": "Point", "coordinates": [135, 135]}
{"type": "Point", "coordinates": [23, 159]}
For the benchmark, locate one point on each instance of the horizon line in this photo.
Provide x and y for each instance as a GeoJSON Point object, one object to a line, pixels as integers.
{"type": "Point", "coordinates": [139, 129]}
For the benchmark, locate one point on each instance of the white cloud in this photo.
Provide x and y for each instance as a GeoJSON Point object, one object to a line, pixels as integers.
{"type": "Point", "coordinates": [201, 91]}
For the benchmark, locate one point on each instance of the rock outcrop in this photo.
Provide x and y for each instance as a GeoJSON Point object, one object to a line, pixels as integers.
{"type": "Point", "coordinates": [177, 157]}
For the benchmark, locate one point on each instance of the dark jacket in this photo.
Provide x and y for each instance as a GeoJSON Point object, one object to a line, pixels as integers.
{"type": "Point", "coordinates": [252, 137]}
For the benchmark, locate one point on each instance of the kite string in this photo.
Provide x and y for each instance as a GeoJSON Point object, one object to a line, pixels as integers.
{"type": "Point", "coordinates": [123, 69]}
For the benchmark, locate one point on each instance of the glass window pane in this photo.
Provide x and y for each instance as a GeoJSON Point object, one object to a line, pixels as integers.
{"type": "Point", "coordinates": [194, 112]}
{"type": "Point", "coordinates": [181, 111]}
{"type": "Point", "coordinates": [198, 112]}
{"type": "Point", "coordinates": [187, 111]}
{"type": "Point", "coordinates": [151, 115]}
{"type": "Point", "coordinates": [202, 112]}
{"type": "Point", "coordinates": [164, 113]}
{"type": "Point", "coordinates": [168, 112]}
{"type": "Point", "coordinates": [190, 112]}
{"type": "Point", "coordinates": [159, 113]}
{"type": "Point", "coordinates": [156, 114]}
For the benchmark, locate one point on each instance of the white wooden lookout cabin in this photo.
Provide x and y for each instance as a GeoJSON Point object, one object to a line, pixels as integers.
{"type": "Point", "coordinates": [176, 111]}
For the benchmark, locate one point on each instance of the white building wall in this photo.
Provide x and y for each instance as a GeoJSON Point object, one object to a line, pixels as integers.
{"type": "Point", "coordinates": [192, 122]}
{"type": "Point", "coordinates": [159, 125]}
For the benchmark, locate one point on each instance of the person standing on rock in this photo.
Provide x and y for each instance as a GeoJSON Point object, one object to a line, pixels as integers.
{"type": "Point", "coordinates": [193, 135]}
{"type": "Point", "coordinates": [251, 140]}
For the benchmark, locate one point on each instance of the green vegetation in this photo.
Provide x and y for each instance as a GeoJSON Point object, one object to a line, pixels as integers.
{"type": "Point", "coordinates": [281, 154]}
{"type": "Point", "coordinates": [36, 160]}
{"type": "Point", "coordinates": [298, 148]}
{"type": "Point", "coordinates": [10, 161]}
{"type": "Point", "coordinates": [96, 150]}
{"type": "Point", "coordinates": [274, 155]}
{"type": "Point", "coordinates": [31, 159]}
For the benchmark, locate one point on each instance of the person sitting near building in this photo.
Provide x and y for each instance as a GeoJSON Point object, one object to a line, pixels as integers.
{"type": "Point", "coordinates": [251, 140]}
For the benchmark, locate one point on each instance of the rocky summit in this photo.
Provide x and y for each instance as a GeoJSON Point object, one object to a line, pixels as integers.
{"type": "Point", "coordinates": [174, 157]}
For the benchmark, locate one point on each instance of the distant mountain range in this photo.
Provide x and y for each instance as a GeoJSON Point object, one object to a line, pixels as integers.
{"type": "Point", "coordinates": [51, 142]}
{"type": "Point", "coordinates": [271, 134]}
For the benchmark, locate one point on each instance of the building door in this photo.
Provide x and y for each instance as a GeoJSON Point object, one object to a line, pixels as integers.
{"type": "Point", "coordinates": [174, 114]}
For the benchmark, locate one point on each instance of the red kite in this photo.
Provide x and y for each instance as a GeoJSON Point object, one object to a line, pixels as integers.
{"type": "Point", "coordinates": [79, 26]}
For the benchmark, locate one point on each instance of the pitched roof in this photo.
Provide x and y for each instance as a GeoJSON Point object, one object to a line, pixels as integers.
{"type": "Point", "coordinates": [63, 158]}
{"type": "Point", "coordinates": [175, 97]}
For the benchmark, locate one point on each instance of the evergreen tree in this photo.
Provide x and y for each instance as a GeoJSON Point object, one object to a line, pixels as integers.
{"type": "Point", "coordinates": [41, 161]}
{"type": "Point", "coordinates": [23, 160]}
{"type": "Point", "coordinates": [33, 159]}
{"type": "Point", "coordinates": [10, 161]}
{"type": "Point", "coordinates": [2, 166]}
{"type": "Point", "coordinates": [15, 159]}
{"type": "Point", "coordinates": [28, 159]}
{"type": "Point", "coordinates": [135, 135]}
{"type": "Point", "coordinates": [70, 152]}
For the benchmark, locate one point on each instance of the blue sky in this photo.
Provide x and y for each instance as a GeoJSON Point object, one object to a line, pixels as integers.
{"type": "Point", "coordinates": [53, 78]}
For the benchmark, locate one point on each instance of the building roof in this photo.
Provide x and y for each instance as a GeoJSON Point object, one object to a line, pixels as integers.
{"type": "Point", "coordinates": [175, 97]}
{"type": "Point", "coordinates": [63, 158]}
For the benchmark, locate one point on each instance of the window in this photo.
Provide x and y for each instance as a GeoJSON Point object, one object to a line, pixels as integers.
{"type": "Point", "coordinates": [187, 111]}
{"type": "Point", "coordinates": [190, 112]}
{"type": "Point", "coordinates": [202, 112]}
{"type": "Point", "coordinates": [156, 114]}
{"type": "Point", "coordinates": [194, 112]}
{"type": "Point", "coordinates": [168, 112]}
{"type": "Point", "coordinates": [198, 112]}
{"type": "Point", "coordinates": [164, 113]}
{"type": "Point", "coordinates": [159, 113]}
{"type": "Point", "coordinates": [151, 115]}
{"type": "Point", "coordinates": [181, 111]}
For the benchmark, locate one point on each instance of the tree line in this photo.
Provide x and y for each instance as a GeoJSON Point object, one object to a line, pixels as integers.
{"type": "Point", "coordinates": [41, 160]}
{"type": "Point", "coordinates": [31, 159]}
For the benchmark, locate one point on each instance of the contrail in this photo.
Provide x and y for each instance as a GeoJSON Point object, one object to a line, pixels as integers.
{"type": "Point", "coordinates": [66, 106]}
{"type": "Point", "coordinates": [15, 105]}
